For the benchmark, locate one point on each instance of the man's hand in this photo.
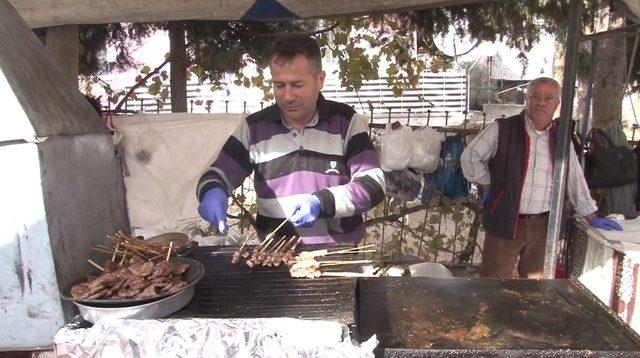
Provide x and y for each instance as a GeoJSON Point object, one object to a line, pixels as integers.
{"type": "Point", "coordinates": [603, 223]}
{"type": "Point", "coordinates": [213, 208]}
{"type": "Point", "coordinates": [485, 198]}
{"type": "Point", "coordinates": [485, 195]}
{"type": "Point", "coordinates": [306, 211]}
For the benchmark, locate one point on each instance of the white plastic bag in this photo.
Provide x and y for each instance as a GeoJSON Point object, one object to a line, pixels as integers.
{"type": "Point", "coordinates": [426, 144]}
{"type": "Point", "coordinates": [396, 148]}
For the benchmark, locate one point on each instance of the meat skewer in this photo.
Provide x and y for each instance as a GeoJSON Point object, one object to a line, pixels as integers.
{"type": "Point", "coordinates": [268, 258]}
{"type": "Point", "coordinates": [273, 233]}
{"type": "Point", "coordinates": [311, 268]}
{"type": "Point", "coordinates": [236, 255]}
{"type": "Point", "coordinates": [289, 256]}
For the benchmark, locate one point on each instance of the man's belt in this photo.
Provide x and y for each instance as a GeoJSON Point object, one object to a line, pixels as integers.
{"type": "Point", "coordinates": [533, 216]}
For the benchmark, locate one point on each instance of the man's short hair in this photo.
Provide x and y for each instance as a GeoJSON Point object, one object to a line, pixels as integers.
{"type": "Point", "coordinates": [543, 80]}
{"type": "Point", "coordinates": [289, 46]}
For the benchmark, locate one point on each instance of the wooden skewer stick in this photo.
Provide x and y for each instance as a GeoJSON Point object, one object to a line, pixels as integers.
{"type": "Point", "coordinates": [296, 243]}
{"type": "Point", "coordinates": [115, 251]}
{"type": "Point", "coordinates": [276, 245]}
{"type": "Point", "coordinates": [346, 274]}
{"type": "Point", "coordinates": [270, 241]}
{"type": "Point", "coordinates": [352, 249]}
{"type": "Point", "coordinates": [123, 257]}
{"type": "Point", "coordinates": [102, 250]}
{"type": "Point", "coordinates": [282, 242]}
{"type": "Point", "coordinates": [346, 262]}
{"type": "Point", "coordinates": [244, 243]}
{"type": "Point", "coordinates": [284, 248]}
{"type": "Point", "coordinates": [273, 233]}
{"type": "Point", "coordinates": [265, 243]}
{"type": "Point", "coordinates": [169, 251]}
{"type": "Point", "coordinates": [353, 252]}
{"type": "Point", "coordinates": [95, 265]}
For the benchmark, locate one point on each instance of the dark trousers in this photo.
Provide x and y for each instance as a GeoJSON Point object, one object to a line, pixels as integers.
{"type": "Point", "coordinates": [499, 255]}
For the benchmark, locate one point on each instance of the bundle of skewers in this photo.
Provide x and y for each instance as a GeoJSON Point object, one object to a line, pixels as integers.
{"type": "Point", "coordinates": [273, 252]}
{"type": "Point", "coordinates": [134, 274]}
{"type": "Point", "coordinates": [125, 246]}
{"type": "Point", "coordinates": [270, 253]}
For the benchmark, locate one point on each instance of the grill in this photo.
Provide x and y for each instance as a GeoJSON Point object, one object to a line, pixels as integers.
{"type": "Point", "coordinates": [414, 317]}
{"type": "Point", "coordinates": [489, 317]}
{"type": "Point", "coordinates": [236, 291]}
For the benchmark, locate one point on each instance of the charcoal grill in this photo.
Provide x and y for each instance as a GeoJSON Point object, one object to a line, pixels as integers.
{"type": "Point", "coordinates": [457, 317]}
{"type": "Point", "coordinates": [236, 291]}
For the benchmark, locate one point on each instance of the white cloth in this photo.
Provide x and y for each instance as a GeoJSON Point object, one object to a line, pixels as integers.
{"type": "Point", "coordinates": [165, 154]}
{"type": "Point", "coordinates": [630, 232]}
{"type": "Point", "coordinates": [626, 241]}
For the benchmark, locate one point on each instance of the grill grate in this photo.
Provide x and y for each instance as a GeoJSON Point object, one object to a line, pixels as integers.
{"type": "Point", "coordinates": [236, 291]}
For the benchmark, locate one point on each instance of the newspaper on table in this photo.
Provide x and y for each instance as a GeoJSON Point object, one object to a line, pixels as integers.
{"type": "Point", "coordinates": [268, 337]}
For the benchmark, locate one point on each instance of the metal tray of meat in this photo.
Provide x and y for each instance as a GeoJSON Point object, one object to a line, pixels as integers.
{"type": "Point", "coordinates": [191, 276]}
{"type": "Point", "coordinates": [150, 310]}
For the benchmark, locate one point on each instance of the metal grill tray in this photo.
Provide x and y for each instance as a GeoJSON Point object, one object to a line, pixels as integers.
{"type": "Point", "coordinates": [478, 317]}
{"type": "Point", "coordinates": [236, 291]}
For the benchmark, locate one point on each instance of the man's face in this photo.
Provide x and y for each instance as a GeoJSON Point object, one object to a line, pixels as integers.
{"type": "Point", "coordinates": [296, 86]}
{"type": "Point", "coordinates": [541, 104]}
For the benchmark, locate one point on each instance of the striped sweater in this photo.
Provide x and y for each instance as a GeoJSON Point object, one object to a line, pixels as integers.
{"type": "Point", "coordinates": [333, 159]}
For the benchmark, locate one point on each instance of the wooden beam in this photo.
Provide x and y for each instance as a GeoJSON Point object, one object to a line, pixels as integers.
{"type": "Point", "coordinates": [63, 44]}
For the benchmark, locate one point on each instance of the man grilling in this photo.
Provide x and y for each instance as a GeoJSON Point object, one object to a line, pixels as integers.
{"type": "Point", "coordinates": [313, 160]}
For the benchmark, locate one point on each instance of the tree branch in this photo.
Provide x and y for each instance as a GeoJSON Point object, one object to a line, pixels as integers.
{"type": "Point", "coordinates": [306, 33]}
{"type": "Point", "coordinates": [143, 81]}
{"type": "Point", "coordinates": [245, 212]}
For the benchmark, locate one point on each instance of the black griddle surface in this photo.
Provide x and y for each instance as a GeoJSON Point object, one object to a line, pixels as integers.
{"type": "Point", "coordinates": [236, 291]}
{"type": "Point", "coordinates": [448, 317]}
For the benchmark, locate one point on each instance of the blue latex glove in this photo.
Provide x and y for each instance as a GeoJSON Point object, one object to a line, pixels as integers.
{"type": "Point", "coordinates": [213, 208]}
{"type": "Point", "coordinates": [485, 198]}
{"type": "Point", "coordinates": [306, 211]}
{"type": "Point", "coordinates": [604, 223]}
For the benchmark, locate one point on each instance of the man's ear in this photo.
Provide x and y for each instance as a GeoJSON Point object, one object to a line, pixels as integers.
{"type": "Point", "coordinates": [320, 78]}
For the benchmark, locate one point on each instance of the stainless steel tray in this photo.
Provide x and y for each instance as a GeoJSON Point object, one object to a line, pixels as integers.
{"type": "Point", "coordinates": [151, 310]}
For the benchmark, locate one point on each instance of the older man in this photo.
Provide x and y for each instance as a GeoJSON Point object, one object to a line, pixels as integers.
{"type": "Point", "coordinates": [313, 160]}
{"type": "Point", "coordinates": [512, 160]}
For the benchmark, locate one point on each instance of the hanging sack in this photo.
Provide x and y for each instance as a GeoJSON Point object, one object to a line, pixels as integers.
{"type": "Point", "coordinates": [608, 165]}
{"type": "Point", "coordinates": [448, 180]}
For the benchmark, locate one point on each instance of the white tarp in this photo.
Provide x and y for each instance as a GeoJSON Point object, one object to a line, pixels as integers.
{"type": "Point", "coordinates": [164, 156]}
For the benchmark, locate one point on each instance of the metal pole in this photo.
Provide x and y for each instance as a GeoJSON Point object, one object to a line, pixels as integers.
{"type": "Point", "coordinates": [587, 102]}
{"type": "Point", "coordinates": [562, 149]}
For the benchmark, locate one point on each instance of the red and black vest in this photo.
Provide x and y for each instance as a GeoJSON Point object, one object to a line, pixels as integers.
{"type": "Point", "coordinates": [508, 169]}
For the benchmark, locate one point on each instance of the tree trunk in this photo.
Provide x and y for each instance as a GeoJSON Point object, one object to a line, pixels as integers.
{"type": "Point", "coordinates": [608, 87]}
{"type": "Point", "coordinates": [178, 77]}
{"type": "Point", "coordinates": [558, 64]}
